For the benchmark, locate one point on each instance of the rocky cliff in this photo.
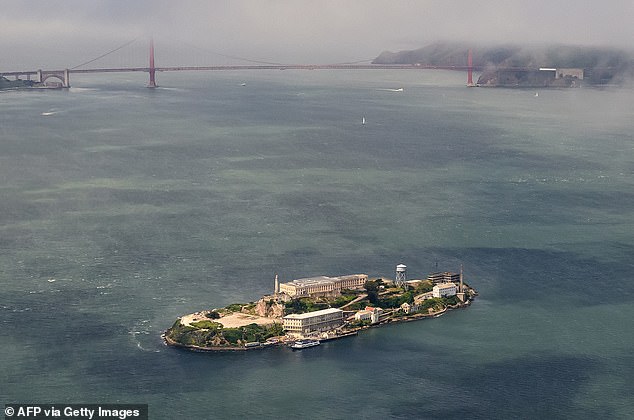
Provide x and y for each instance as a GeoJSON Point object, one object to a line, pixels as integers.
{"type": "Point", "coordinates": [271, 306]}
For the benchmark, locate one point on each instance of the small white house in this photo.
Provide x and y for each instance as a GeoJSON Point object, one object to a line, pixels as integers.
{"type": "Point", "coordinates": [408, 308]}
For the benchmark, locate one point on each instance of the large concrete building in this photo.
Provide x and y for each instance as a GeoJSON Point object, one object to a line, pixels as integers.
{"type": "Point", "coordinates": [322, 285]}
{"type": "Point", "coordinates": [444, 290]}
{"type": "Point", "coordinates": [444, 277]}
{"type": "Point", "coordinates": [324, 320]}
{"type": "Point", "coordinates": [567, 72]}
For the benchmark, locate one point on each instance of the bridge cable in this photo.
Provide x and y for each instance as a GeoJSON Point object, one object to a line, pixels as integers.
{"type": "Point", "coordinates": [233, 57]}
{"type": "Point", "coordinates": [103, 55]}
{"type": "Point", "coordinates": [354, 62]}
{"type": "Point", "coordinates": [272, 63]}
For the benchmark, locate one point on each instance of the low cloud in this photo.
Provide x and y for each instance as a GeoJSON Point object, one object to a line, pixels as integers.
{"type": "Point", "coordinates": [298, 31]}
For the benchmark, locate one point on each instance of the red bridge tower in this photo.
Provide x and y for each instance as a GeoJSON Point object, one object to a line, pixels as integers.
{"type": "Point", "coordinates": [152, 69]}
{"type": "Point", "coordinates": [470, 69]}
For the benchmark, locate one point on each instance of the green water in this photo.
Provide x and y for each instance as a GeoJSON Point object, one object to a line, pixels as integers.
{"type": "Point", "coordinates": [122, 208]}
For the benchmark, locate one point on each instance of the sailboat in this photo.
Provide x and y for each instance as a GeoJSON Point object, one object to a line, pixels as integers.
{"type": "Point", "coordinates": [363, 121]}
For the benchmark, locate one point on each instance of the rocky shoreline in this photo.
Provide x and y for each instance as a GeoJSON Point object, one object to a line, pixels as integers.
{"type": "Point", "coordinates": [168, 341]}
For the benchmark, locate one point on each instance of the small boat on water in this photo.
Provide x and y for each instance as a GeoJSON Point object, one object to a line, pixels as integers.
{"type": "Point", "coordinates": [304, 344]}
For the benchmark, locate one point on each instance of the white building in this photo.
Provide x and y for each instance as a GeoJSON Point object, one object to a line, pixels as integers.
{"type": "Point", "coordinates": [363, 316]}
{"type": "Point", "coordinates": [409, 307]}
{"type": "Point", "coordinates": [322, 285]}
{"type": "Point", "coordinates": [568, 72]}
{"type": "Point", "coordinates": [444, 290]}
{"type": "Point", "coordinates": [369, 314]}
{"type": "Point", "coordinates": [324, 320]}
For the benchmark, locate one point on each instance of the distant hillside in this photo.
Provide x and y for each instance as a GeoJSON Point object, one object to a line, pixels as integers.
{"type": "Point", "coordinates": [12, 84]}
{"type": "Point", "coordinates": [601, 65]}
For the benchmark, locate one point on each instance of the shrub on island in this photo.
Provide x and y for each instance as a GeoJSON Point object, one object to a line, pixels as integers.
{"type": "Point", "coordinates": [212, 315]}
{"type": "Point", "coordinates": [212, 334]}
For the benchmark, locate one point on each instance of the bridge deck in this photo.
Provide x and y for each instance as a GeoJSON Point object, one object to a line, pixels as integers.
{"type": "Point", "coordinates": [248, 67]}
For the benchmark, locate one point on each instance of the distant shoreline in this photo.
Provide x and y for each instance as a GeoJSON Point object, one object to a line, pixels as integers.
{"type": "Point", "coordinates": [599, 65]}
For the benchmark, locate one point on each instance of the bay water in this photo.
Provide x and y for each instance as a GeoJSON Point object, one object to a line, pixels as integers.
{"type": "Point", "coordinates": [122, 208]}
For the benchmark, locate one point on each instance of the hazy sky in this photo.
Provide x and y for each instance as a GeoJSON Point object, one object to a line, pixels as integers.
{"type": "Point", "coordinates": [56, 33]}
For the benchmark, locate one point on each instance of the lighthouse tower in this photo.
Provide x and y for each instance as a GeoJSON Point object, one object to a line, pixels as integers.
{"type": "Point", "coordinates": [461, 293]}
{"type": "Point", "coordinates": [277, 284]}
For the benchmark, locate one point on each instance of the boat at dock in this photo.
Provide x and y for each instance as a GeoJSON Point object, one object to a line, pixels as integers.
{"type": "Point", "coordinates": [304, 344]}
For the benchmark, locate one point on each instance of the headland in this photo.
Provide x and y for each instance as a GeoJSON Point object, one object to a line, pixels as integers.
{"type": "Point", "coordinates": [304, 312]}
{"type": "Point", "coordinates": [20, 84]}
{"type": "Point", "coordinates": [525, 66]}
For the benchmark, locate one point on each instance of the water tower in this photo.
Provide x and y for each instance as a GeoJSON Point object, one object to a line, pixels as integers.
{"type": "Point", "coordinates": [401, 275]}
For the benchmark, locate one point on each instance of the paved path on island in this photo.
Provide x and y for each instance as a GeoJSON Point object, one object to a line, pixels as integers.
{"type": "Point", "coordinates": [357, 299]}
{"type": "Point", "coordinates": [235, 320]}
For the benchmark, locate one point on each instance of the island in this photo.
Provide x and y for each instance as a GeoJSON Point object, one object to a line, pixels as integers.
{"type": "Point", "coordinates": [304, 312]}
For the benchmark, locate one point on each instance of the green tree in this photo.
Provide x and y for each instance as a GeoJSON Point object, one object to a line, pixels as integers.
{"type": "Point", "coordinates": [424, 287]}
{"type": "Point", "coordinates": [232, 335]}
{"type": "Point", "coordinates": [296, 306]}
{"type": "Point", "coordinates": [371, 286]}
{"type": "Point", "coordinates": [213, 315]}
{"type": "Point", "coordinates": [373, 297]}
{"type": "Point", "coordinates": [234, 307]}
{"type": "Point", "coordinates": [407, 297]}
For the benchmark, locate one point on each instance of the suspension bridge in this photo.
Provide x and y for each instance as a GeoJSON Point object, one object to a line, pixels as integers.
{"type": "Point", "coordinates": [61, 78]}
